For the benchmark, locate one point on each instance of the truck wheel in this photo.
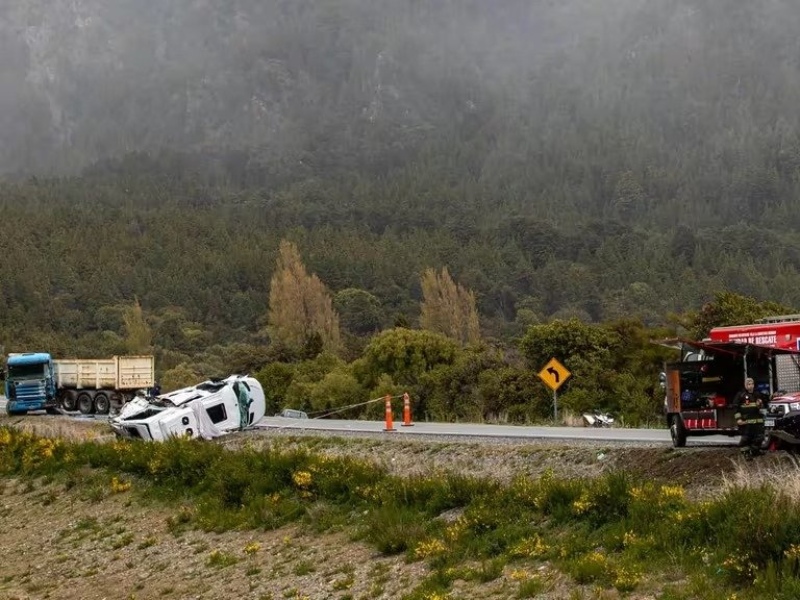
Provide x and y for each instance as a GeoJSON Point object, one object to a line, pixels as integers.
{"type": "Point", "coordinates": [85, 404]}
{"type": "Point", "coordinates": [69, 402]}
{"type": "Point", "coordinates": [102, 404]}
{"type": "Point", "coordinates": [678, 432]}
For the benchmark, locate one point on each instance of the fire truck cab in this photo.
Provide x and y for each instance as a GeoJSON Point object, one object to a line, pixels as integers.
{"type": "Point", "coordinates": [701, 387]}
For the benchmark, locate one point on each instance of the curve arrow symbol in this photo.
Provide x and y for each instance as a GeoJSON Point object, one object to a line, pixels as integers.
{"type": "Point", "coordinates": [554, 373]}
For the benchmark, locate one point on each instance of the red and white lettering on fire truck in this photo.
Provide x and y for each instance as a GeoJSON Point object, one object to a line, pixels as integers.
{"type": "Point", "coordinates": [785, 335]}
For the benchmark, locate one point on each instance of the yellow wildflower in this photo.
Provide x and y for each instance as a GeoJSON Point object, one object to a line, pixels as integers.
{"type": "Point", "coordinates": [117, 486]}
{"type": "Point", "coordinates": [428, 548]}
{"type": "Point", "coordinates": [302, 479]}
{"type": "Point", "coordinates": [251, 548]}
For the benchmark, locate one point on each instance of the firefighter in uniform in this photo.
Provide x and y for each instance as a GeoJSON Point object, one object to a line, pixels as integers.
{"type": "Point", "coordinates": [748, 417]}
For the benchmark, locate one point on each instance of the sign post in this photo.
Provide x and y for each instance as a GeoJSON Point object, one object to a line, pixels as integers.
{"type": "Point", "coordinates": [555, 406]}
{"type": "Point", "coordinates": [554, 374]}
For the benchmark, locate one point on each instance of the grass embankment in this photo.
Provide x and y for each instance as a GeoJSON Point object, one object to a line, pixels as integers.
{"type": "Point", "coordinates": [611, 533]}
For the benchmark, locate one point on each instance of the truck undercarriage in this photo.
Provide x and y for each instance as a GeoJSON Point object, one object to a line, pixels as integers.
{"type": "Point", "coordinates": [206, 410]}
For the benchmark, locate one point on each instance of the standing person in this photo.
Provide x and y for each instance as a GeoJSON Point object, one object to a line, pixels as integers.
{"type": "Point", "coordinates": [243, 396]}
{"type": "Point", "coordinates": [748, 417]}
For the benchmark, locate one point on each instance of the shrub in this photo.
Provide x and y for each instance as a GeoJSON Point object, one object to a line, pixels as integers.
{"type": "Point", "coordinates": [556, 497]}
{"type": "Point", "coordinates": [221, 559]}
{"type": "Point", "coordinates": [394, 529]}
{"type": "Point", "coordinates": [745, 531]}
{"type": "Point", "coordinates": [591, 568]}
{"type": "Point", "coordinates": [601, 531]}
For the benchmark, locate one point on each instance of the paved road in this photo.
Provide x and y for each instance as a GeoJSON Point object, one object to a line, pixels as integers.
{"type": "Point", "coordinates": [618, 435]}
{"type": "Point", "coordinates": [654, 436]}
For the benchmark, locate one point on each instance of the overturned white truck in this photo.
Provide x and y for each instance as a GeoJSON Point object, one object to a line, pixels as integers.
{"type": "Point", "coordinates": [207, 410]}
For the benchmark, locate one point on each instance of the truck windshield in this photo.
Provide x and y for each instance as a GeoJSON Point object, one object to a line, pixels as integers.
{"type": "Point", "coordinates": [20, 372]}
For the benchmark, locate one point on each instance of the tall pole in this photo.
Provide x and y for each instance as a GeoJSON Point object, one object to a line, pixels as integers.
{"type": "Point", "coordinates": [555, 406]}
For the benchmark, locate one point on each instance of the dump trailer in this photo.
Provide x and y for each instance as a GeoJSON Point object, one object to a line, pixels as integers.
{"type": "Point", "coordinates": [36, 381]}
{"type": "Point", "coordinates": [701, 387]}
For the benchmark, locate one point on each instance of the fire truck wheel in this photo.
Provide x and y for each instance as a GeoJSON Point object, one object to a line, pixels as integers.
{"type": "Point", "coordinates": [678, 432]}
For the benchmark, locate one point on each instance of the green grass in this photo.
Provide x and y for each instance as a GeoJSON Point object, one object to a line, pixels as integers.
{"type": "Point", "coordinates": [303, 567]}
{"type": "Point", "coordinates": [221, 559]}
{"type": "Point", "coordinates": [614, 533]}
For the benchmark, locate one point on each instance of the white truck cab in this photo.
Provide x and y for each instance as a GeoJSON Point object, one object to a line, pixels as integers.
{"type": "Point", "coordinates": [207, 410]}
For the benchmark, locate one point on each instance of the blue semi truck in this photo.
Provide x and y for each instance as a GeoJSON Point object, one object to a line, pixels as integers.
{"type": "Point", "coordinates": [37, 381]}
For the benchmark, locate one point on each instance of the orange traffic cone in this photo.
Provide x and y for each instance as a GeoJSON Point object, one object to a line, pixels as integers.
{"type": "Point", "coordinates": [407, 410]}
{"type": "Point", "coordinates": [389, 423]}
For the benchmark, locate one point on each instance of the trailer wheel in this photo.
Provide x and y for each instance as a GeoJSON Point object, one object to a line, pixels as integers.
{"type": "Point", "coordinates": [678, 432]}
{"type": "Point", "coordinates": [85, 404]}
{"type": "Point", "coordinates": [69, 402]}
{"type": "Point", "coordinates": [101, 404]}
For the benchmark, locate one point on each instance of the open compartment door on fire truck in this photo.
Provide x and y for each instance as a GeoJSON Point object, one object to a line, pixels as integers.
{"type": "Point", "coordinates": [700, 391]}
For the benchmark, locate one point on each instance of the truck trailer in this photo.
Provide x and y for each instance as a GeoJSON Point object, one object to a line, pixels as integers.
{"type": "Point", "coordinates": [37, 381]}
{"type": "Point", "coordinates": [701, 387]}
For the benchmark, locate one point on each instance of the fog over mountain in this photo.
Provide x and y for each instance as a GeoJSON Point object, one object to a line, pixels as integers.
{"type": "Point", "coordinates": [562, 158]}
{"type": "Point", "coordinates": [286, 88]}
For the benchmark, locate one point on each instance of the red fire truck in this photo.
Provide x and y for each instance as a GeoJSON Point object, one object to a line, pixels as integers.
{"type": "Point", "coordinates": [700, 388]}
{"type": "Point", "coordinates": [782, 331]}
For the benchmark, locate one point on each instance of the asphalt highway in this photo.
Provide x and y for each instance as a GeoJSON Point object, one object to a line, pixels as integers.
{"type": "Point", "coordinates": [612, 434]}
{"type": "Point", "coordinates": [472, 430]}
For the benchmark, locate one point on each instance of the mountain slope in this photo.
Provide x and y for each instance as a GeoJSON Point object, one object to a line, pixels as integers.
{"type": "Point", "coordinates": [556, 99]}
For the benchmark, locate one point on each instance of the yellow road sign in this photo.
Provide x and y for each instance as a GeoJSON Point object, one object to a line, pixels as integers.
{"type": "Point", "coordinates": [554, 374]}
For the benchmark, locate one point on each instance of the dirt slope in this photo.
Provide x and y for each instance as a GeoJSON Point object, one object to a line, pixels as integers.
{"type": "Point", "coordinates": [699, 469]}
{"type": "Point", "coordinates": [59, 543]}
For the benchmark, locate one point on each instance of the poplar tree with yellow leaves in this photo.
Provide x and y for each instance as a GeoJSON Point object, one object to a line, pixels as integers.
{"type": "Point", "coordinates": [138, 335]}
{"type": "Point", "coordinates": [448, 308]}
{"type": "Point", "coordinates": [300, 305]}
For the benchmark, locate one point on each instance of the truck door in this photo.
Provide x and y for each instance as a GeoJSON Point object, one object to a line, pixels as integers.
{"type": "Point", "coordinates": [673, 388]}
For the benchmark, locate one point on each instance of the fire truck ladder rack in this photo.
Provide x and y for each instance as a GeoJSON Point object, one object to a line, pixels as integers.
{"type": "Point", "coordinates": [779, 319]}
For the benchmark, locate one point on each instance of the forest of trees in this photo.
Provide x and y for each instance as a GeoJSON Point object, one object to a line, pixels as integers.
{"type": "Point", "coordinates": [468, 186]}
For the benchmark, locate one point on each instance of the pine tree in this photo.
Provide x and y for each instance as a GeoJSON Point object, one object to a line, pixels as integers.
{"type": "Point", "coordinates": [300, 305]}
{"type": "Point", "coordinates": [138, 335]}
{"type": "Point", "coordinates": [448, 308]}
